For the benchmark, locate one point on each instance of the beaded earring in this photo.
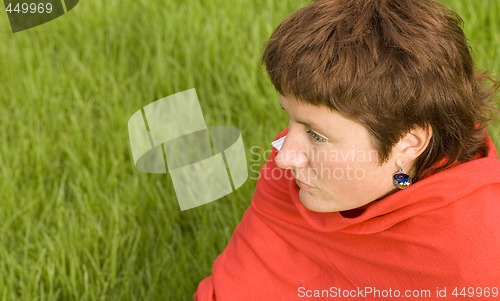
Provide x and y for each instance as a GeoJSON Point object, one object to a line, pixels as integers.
{"type": "Point", "coordinates": [401, 179]}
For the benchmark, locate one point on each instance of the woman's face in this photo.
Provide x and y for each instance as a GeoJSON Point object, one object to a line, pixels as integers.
{"type": "Point", "coordinates": [332, 159]}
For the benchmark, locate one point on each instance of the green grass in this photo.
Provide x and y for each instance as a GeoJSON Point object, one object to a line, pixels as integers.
{"type": "Point", "coordinates": [78, 221]}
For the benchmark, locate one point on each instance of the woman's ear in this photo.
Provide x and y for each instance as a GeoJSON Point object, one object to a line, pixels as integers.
{"type": "Point", "coordinates": [412, 145]}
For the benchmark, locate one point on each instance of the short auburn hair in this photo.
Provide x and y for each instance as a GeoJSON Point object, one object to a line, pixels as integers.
{"type": "Point", "coordinates": [390, 65]}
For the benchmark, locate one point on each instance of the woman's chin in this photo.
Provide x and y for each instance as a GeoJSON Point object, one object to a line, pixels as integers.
{"type": "Point", "coordinates": [315, 203]}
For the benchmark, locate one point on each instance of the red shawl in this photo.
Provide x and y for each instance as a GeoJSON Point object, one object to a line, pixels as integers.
{"type": "Point", "coordinates": [440, 237]}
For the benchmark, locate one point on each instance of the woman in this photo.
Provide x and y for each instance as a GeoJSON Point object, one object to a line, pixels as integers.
{"type": "Point", "coordinates": [386, 184]}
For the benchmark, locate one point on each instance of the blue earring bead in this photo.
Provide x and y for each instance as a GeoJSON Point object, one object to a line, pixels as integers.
{"type": "Point", "coordinates": [401, 179]}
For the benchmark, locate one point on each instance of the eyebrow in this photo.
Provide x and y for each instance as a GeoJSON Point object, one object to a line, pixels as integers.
{"type": "Point", "coordinates": [299, 121]}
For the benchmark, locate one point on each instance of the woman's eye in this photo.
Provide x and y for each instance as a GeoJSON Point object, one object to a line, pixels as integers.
{"type": "Point", "coordinates": [315, 137]}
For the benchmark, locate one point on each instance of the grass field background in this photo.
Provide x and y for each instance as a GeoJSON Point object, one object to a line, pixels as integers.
{"type": "Point", "coordinates": [77, 220]}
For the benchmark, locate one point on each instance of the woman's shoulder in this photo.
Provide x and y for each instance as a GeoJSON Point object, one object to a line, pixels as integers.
{"type": "Point", "coordinates": [273, 182]}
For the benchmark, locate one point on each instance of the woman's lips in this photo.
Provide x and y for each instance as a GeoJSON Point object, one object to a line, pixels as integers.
{"type": "Point", "coordinates": [303, 185]}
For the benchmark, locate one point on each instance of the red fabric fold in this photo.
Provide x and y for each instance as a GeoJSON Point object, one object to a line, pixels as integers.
{"type": "Point", "coordinates": [441, 233]}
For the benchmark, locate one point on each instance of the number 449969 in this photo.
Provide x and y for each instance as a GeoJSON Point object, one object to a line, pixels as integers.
{"type": "Point", "coordinates": [475, 292]}
{"type": "Point", "coordinates": [29, 8]}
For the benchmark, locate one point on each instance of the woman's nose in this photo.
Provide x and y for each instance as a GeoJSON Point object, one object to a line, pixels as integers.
{"type": "Point", "coordinates": [292, 154]}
